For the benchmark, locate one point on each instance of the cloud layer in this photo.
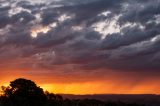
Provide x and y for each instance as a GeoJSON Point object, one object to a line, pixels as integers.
{"type": "Point", "coordinates": [76, 36]}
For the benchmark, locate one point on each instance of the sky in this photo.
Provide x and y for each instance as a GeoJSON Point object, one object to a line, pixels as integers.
{"type": "Point", "coordinates": [82, 46]}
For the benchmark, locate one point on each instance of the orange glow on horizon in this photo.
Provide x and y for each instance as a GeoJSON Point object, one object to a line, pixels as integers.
{"type": "Point", "coordinates": [114, 85]}
{"type": "Point", "coordinates": [99, 88]}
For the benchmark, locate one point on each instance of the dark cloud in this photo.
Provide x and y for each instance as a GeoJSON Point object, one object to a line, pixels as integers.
{"type": "Point", "coordinates": [129, 36]}
{"type": "Point", "coordinates": [4, 20]}
{"type": "Point", "coordinates": [84, 12]}
{"type": "Point", "coordinates": [141, 12]}
{"type": "Point", "coordinates": [76, 41]}
{"type": "Point", "coordinates": [23, 16]}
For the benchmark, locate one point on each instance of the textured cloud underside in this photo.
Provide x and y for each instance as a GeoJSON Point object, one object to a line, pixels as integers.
{"type": "Point", "coordinates": [119, 35]}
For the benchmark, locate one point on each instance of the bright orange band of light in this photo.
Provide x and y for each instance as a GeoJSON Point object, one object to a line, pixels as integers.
{"type": "Point", "coordinates": [112, 86]}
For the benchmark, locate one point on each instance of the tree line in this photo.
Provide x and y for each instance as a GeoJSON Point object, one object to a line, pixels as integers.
{"type": "Point", "coordinates": [23, 92]}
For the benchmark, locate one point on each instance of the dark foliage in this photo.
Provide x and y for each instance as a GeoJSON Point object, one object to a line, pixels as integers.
{"type": "Point", "coordinates": [23, 92]}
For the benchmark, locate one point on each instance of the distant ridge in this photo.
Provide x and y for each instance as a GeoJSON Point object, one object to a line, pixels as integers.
{"type": "Point", "coordinates": [147, 99]}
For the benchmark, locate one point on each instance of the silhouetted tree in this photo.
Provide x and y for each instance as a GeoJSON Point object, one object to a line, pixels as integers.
{"type": "Point", "coordinates": [54, 100]}
{"type": "Point", "coordinates": [23, 92]}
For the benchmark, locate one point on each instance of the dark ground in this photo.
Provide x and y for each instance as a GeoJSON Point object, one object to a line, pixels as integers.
{"type": "Point", "coordinates": [147, 99]}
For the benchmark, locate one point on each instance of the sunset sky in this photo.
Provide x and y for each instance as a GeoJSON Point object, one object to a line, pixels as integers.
{"type": "Point", "coordinates": [82, 46]}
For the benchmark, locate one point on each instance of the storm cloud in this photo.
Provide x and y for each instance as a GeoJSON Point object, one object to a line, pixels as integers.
{"type": "Point", "coordinates": [119, 35]}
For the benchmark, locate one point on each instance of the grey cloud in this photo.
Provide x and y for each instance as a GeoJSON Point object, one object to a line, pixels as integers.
{"type": "Point", "coordinates": [128, 36]}
{"type": "Point", "coordinates": [83, 12]}
{"type": "Point", "coordinates": [130, 49]}
{"type": "Point", "coordinates": [140, 11]}
{"type": "Point", "coordinates": [4, 20]}
{"type": "Point", "coordinates": [25, 16]}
